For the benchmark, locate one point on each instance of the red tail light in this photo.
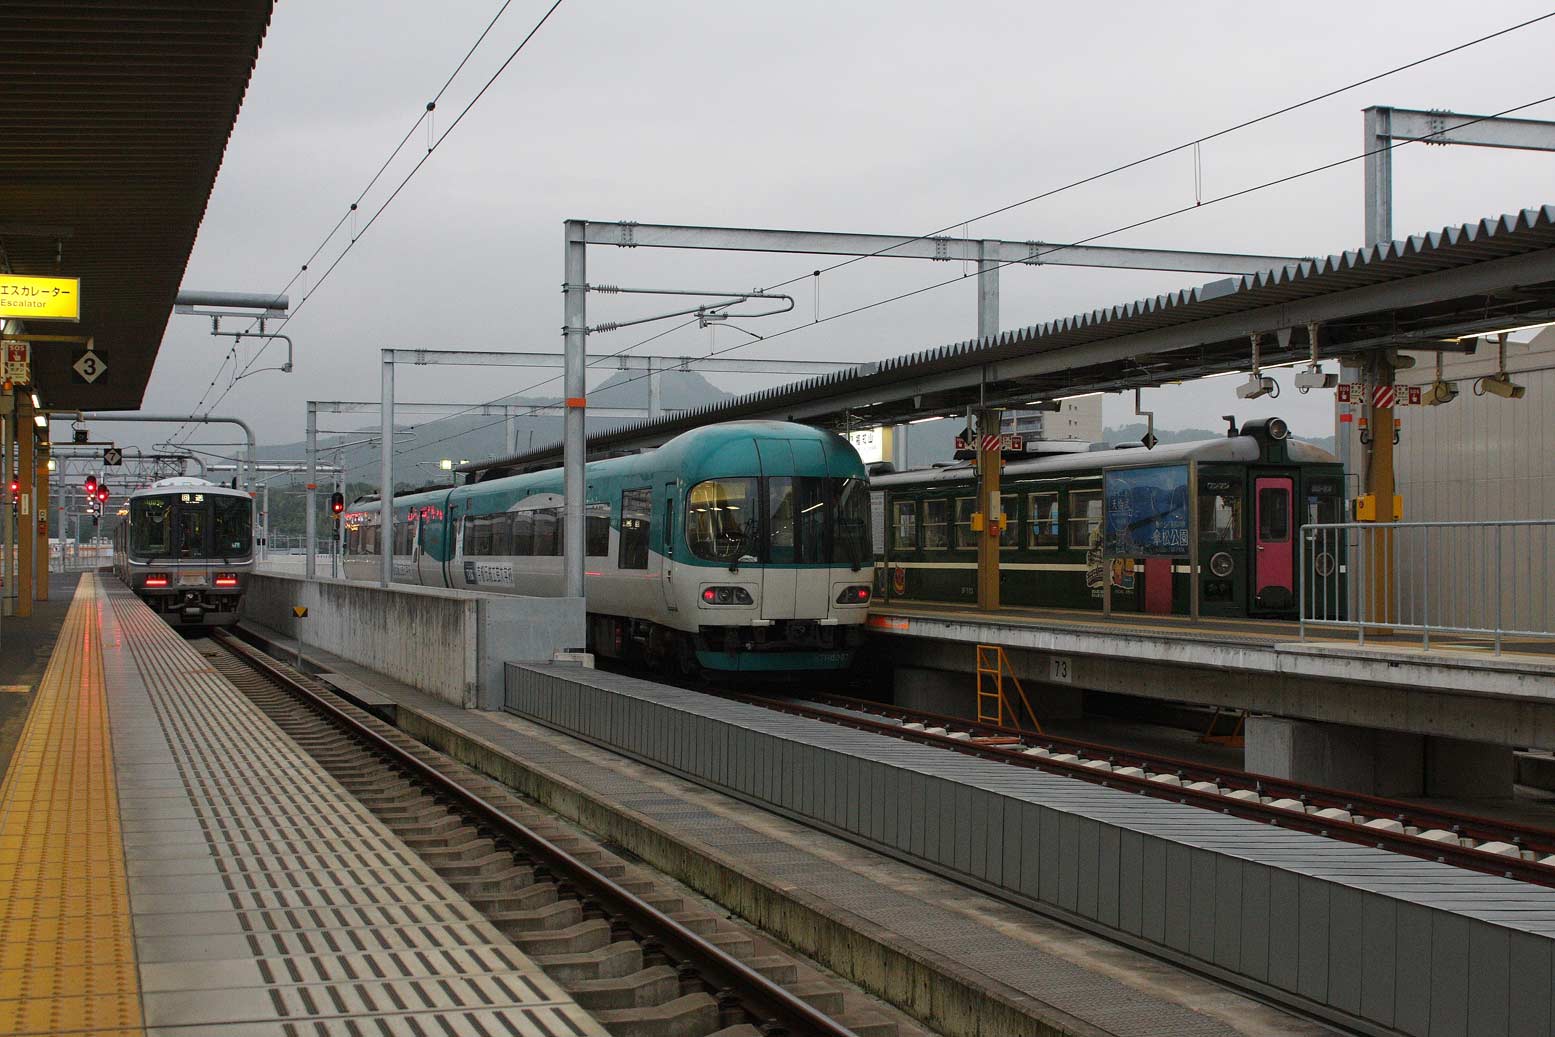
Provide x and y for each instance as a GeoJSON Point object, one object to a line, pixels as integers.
{"type": "Point", "coordinates": [156, 581]}
{"type": "Point", "coordinates": [226, 580]}
{"type": "Point", "coordinates": [854, 596]}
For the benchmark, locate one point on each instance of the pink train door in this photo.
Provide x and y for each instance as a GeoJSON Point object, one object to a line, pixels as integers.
{"type": "Point", "coordinates": [1274, 563]}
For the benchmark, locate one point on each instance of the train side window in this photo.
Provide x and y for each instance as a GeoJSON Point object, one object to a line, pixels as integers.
{"type": "Point", "coordinates": [472, 536]}
{"type": "Point", "coordinates": [597, 532]}
{"type": "Point", "coordinates": [905, 513]}
{"type": "Point", "coordinates": [936, 525]}
{"type": "Point", "coordinates": [502, 535]}
{"type": "Point", "coordinates": [523, 533]}
{"type": "Point", "coordinates": [1325, 501]}
{"type": "Point", "coordinates": [965, 538]}
{"type": "Point", "coordinates": [1220, 510]}
{"type": "Point", "coordinates": [1009, 533]}
{"type": "Point", "coordinates": [1084, 517]}
{"type": "Point", "coordinates": [547, 538]}
{"type": "Point", "coordinates": [636, 528]}
{"type": "Point", "coordinates": [1273, 515]}
{"type": "Point", "coordinates": [1042, 517]}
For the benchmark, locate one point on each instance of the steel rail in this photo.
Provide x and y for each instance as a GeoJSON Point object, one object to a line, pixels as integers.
{"type": "Point", "coordinates": [1472, 825]}
{"type": "Point", "coordinates": [760, 996]}
{"type": "Point", "coordinates": [1485, 829]}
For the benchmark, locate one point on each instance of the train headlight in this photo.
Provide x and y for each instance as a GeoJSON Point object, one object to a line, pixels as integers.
{"type": "Point", "coordinates": [858, 595]}
{"type": "Point", "coordinates": [1221, 564]}
{"type": "Point", "coordinates": [726, 596]}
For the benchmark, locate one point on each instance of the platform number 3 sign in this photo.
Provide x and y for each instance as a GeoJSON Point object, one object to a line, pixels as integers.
{"type": "Point", "coordinates": [89, 367]}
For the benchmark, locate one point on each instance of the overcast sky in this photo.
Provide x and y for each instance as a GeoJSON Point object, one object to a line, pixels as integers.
{"type": "Point", "coordinates": [891, 117]}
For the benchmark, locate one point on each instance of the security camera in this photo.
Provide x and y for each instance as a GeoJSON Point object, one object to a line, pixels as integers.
{"type": "Point", "coordinates": [1503, 386]}
{"type": "Point", "coordinates": [1257, 385]}
{"type": "Point", "coordinates": [1440, 392]}
{"type": "Point", "coordinates": [1312, 378]}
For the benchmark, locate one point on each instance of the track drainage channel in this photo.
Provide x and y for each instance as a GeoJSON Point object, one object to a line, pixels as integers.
{"type": "Point", "coordinates": [641, 956]}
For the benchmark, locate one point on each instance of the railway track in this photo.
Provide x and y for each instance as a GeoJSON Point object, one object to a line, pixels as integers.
{"type": "Point", "coordinates": [1468, 841]}
{"type": "Point", "coordinates": [640, 955]}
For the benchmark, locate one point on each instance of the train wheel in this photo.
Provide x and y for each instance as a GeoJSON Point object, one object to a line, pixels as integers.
{"type": "Point", "coordinates": [686, 660]}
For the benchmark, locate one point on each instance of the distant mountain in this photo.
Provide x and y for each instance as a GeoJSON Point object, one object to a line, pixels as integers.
{"type": "Point", "coordinates": [420, 446]}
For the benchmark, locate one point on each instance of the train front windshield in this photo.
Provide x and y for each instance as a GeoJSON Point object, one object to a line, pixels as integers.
{"type": "Point", "coordinates": [190, 525]}
{"type": "Point", "coordinates": [780, 520]}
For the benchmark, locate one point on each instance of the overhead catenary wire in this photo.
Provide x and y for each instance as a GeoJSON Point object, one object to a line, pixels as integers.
{"type": "Point", "coordinates": [963, 224]}
{"type": "Point", "coordinates": [1178, 211]}
{"type": "Point", "coordinates": [351, 211]}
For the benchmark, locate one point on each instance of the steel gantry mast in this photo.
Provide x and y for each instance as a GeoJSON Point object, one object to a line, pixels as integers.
{"type": "Point", "coordinates": [1384, 129]}
{"type": "Point", "coordinates": [989, 254]}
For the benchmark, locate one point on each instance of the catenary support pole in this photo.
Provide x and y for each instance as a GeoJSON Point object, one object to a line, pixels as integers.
{"type": "Point", "coordinates": [41, 525]}
{"type": "Point", "coordinates": [576, 392]}
{"type": "Point", "coordinates": [989, 461]}
{"type": "Point", "coordinates": [7, 557]}
{"type": "Point", "coordinates": [386, 476]}
{"type": "Point", "coordinates": [310, 520]}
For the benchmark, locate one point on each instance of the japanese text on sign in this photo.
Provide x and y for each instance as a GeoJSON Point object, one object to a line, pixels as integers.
{"type": "Point", "coordinates": [1146, 512]}
{"type": "Point", "coordinates": [40, 298]}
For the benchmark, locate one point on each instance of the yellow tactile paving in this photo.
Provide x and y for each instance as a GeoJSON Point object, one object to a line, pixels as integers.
{"type": "Point", "coordinates": [67, 958]}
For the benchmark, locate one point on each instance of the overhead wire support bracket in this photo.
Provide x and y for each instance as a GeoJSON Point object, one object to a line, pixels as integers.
{"type": "Point", "coordinates": [704, 313]}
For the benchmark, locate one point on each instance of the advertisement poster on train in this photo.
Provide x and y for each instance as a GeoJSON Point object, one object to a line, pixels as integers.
{"type": "Point", "coordinates": [1146, 512]}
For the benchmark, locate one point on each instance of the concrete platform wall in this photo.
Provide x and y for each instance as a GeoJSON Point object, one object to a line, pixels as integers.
{"type": "Point", "coordinates": [449, 644]}
{"type": "Point", "coordinates": [1379, 943]}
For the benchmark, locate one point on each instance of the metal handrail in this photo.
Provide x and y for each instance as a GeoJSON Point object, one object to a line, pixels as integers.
{"type": "Point", "coordinates": [1483, 580]}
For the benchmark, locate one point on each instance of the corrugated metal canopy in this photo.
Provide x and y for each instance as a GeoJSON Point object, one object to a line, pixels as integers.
{"type": "Point", "coordinates": [1404, 294]}
{"type": "Point", "coordinates": [116, 114]}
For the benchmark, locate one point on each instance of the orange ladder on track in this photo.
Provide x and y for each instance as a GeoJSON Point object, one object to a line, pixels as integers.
{"type": "Point", "coordinates": [993, 666]}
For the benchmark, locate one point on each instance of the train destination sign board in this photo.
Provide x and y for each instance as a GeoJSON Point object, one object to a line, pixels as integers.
{"type": "Point", "coordinates": [40, 298]}
{"type": "Point", "coordinates": [1146, 512]}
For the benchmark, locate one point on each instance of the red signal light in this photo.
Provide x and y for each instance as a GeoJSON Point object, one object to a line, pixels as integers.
{"type": "Point", "coordinates": [91, 484]}
{"type": "Point", "coordinates": [337, 503]}
{"type": "Point", "coordinates": [102, 494]}
{"type": "Point", "coordinates": [16, 487]}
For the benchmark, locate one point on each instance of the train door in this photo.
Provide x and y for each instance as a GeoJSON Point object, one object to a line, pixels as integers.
{"type": "Point", "coordinates": [451, 540]}
{"type": "Point", "coordinates": [1274, 561]}
{"type": "Point", "coordinates": [413, 544]}
{"type": "Point", "coordinates": [667, 550]}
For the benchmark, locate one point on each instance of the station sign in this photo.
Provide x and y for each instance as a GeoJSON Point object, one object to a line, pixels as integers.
{"type": "Point", "coordinates": [40, 298]}
{"type": "Point", "coordinates": [870, 444]}
{"type": "Point", "coordinates": [1146, 512]}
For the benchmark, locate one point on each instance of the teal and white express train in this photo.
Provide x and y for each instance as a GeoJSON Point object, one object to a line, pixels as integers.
{"type": "Point", "coordinates": [740, 547]}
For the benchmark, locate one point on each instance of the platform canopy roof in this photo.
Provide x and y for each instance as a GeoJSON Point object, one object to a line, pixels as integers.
{"type": "Point", "coordinates": [1421, 293]}
{"type": "Point", "coordinates": [115, 117]}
